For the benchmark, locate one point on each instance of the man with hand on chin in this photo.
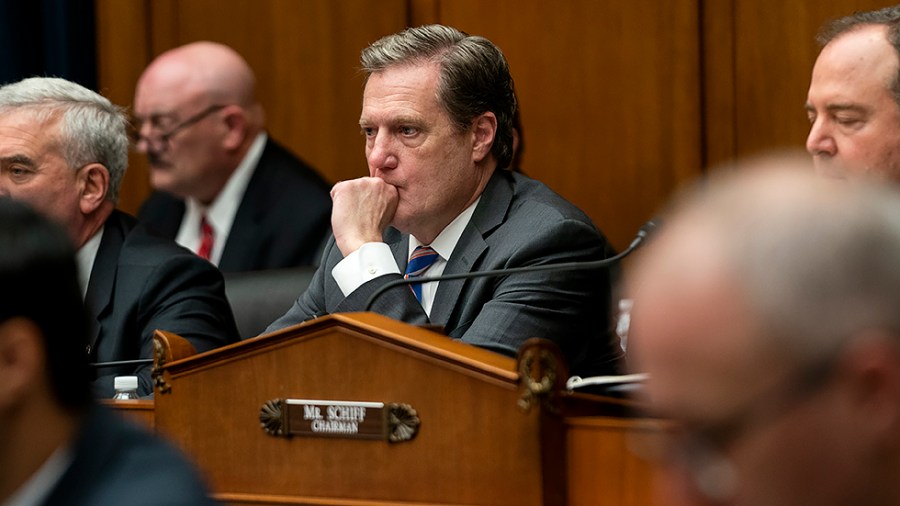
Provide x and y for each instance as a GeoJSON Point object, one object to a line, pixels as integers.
{"type": "Point", "coordinates": [437, 117]}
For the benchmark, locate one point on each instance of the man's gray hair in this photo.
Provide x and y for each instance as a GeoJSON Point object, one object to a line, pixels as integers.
{"type": "Point", "coordinates": [91, 128]}
{"type": "Point", "coordinates": [818, 260]}
{"type": "Point", "coordinates": [474, 76]}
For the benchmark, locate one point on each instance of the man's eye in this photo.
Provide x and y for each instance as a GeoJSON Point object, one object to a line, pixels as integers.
{"type": "Point", "coordinates": [368, 132]}
{"type": "Point", "coordinates": [845, 121]}
{"type": "Point", "coordinates": [17, 173]}
{"type": "Point", "coordinates": [408, 130]}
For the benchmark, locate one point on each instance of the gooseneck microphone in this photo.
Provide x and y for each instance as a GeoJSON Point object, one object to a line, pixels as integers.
{"type": "Point", "coordinates": [117, 363]}
{"type": "Point", "coordinates": [639, 238]}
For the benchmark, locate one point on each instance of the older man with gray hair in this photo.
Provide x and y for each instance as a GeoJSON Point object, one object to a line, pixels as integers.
{"type": "Point", "coordinates": [64, 150]}
{"type": "Point", "coordinates": [767, 314]}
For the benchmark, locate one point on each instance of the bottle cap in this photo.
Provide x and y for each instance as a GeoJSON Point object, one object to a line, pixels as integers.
{"type": "Point", "coordinates": [126, 383]}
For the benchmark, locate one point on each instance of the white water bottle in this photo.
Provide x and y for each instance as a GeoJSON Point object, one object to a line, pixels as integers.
{"type": "Point", "coordinates": [126, 387]}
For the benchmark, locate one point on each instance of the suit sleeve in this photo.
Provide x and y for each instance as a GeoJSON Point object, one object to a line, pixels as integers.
{"type": "Point", "coordinates": [323, 296]}
{"type": "Point", "coordinates": [311, 302]}
{"type": "Point", "coordinates": [183, 294]}
{"type": "Point", "coordinates": [570, 308]}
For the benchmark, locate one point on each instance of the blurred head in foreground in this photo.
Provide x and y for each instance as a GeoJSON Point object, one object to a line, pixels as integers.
{"type": "Point", "coordinates": [767, 313]}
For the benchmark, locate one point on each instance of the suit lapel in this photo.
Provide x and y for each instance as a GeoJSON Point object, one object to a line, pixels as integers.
{"type": "Point", "coordinates": [488, 215]}
{"type": "Point", "coordinates": [103, 273]}
{"type": "Point", "coordinates": [242, 237]}
{"type": "Point", "coordinates": [238, 250]}
{"type": "Point", "coordinates": [399, 244]}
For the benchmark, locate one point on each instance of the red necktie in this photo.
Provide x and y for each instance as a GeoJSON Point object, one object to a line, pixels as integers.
{"type": "Point", "coordinates": [206, 239]}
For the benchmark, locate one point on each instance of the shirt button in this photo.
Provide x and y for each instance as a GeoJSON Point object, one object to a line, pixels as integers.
{"type": "Point", "coordinates": [372, 269]}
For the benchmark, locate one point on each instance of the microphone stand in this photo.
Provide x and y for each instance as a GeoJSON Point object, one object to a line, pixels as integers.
{"type": "Point", "coordinates": [563, 267]}
{"type": "Point", "coordinates": [140, 361]}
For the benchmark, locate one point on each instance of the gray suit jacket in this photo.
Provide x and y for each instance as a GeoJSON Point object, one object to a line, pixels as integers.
{"type": "Point", "coordinates": [518, 222]}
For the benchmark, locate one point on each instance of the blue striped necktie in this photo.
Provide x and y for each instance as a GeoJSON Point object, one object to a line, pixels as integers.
{"type": "Point", "coordinates": [421, 259]}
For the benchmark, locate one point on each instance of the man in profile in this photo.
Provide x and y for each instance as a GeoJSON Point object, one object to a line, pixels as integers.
{"type": "Point", "coordinates": [225, 189]}
{"type": "Point", "coordinates": [437, 116]}
{"type": "Point", "coordinates": [767, 314]}
{"type": "Point", "coordinates": [854, 97]}
{"type": "Point", "coordinates": [64, 150]}
{"type": "Point", "coordinates": [56, 446]}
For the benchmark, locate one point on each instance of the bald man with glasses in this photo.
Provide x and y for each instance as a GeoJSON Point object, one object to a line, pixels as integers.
{"type": "Point", "coordinates": [224, 188]}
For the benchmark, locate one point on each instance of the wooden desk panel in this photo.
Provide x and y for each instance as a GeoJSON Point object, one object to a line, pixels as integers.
{"type": "Point", "coordinates": [140, 411]}
{"type": "Point", "coordinates": [603, 468]}
{"type": "Point", "coordinates": [475, 445]}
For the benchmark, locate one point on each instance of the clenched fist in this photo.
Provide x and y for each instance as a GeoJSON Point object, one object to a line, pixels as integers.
{"type": "Point", "coordinates": [363, 208]}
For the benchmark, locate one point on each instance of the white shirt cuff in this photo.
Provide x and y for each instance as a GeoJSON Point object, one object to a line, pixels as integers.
{"type": "Point", "coordinates": [371, 260]}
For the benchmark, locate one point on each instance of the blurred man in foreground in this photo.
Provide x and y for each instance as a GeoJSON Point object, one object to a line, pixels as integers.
{"type": "Point", "coordinates": [56, 447]}
{"type": "Point", "coordinates": [767, 314]}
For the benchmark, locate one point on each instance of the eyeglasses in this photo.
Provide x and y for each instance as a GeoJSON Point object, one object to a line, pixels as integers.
{"type": "Point", "coordinates": [701, 450]}
{"type": "Point", "coordinates": [162, 138]}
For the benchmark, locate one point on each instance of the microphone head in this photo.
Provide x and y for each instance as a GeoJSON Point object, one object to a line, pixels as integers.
{"type": "Point", "coordinates": [649, 227]}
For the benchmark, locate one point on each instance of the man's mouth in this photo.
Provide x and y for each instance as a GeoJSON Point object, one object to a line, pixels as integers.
{"type": "Point", "coordinates": [156, 161]}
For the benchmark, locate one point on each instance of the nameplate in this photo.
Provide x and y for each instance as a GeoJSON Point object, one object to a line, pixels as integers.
{"type": "Point", "coordinates": [391, 422]}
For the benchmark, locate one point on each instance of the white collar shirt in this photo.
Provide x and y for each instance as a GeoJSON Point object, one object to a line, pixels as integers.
{"type": "Point", "coordinates": [221, 212]}
{"type": "Point", "coordinates": [375, 259]}
{"type": "Point", "coordinates": [41, 483]}
{"type": "Point", "coordinates": [85, 259]}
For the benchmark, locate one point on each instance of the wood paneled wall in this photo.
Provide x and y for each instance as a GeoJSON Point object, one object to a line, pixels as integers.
{"type": "Point", "coordinates": [621, 100]}
{"type": "Point", "coordinates": [758, 56]}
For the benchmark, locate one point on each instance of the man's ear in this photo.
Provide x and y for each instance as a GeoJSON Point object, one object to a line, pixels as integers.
{"type": "Point", "coordinates": [235, 120]}
{"type": "Point", "coordinates": [22, 360]}
{"type": "Point", "coordinates": [93, 185]}
{"type": "Point", "coordinates": [484, 128]}
{"type": "Point", "coordinates": [872, 363]}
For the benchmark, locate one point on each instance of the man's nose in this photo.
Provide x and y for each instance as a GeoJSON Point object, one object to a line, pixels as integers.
{"type": "Point", "coordinates": [142, 135]}
{"type": "Point", "coordinates": [381, 154]}
{"type": "Point", "coordinates": [820, 140]}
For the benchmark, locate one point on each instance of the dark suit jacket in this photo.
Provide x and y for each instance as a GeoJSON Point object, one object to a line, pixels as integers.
{"type": "Point", "coordinates": [116, 463]}
{"type": "Point", "coordinates": [282, 220]}
{"type": "Point", "coordinates": [518, 222]}
{"type": "Point", "coordinates": [140, 283]}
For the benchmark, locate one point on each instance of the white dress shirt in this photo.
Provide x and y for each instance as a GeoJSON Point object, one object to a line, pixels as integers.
{"type": "Point", "coordinates": [41, 483]}
{"type": "Point", "coordinates": [221, 212]}
{"type": "Point", "coordinates": [374, 259]}
{"type": "Point", "coordinates": [85, 259]}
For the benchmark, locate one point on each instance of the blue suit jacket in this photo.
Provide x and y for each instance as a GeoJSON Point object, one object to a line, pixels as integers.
{"type": "Point", "coordinates": [282, 220]}
{"type": "Point", "coordinates": [116, 463]}
{"type": "Point", "coordinates": [518, 222]}
{"type": "Point", "coordinates": [140, 283]}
